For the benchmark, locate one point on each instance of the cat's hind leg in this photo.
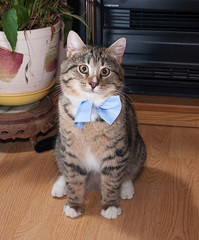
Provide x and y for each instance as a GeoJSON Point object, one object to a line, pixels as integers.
{"type": "Point", "coordinates": [127, 190]}
{"type": "Point", "coordinates": [59, 188]}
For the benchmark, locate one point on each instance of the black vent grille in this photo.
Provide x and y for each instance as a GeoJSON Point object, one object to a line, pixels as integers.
{"type": "Point", "coordinates": [163, 73]}
{"type": "Point", "coordinates": [169, 21]}
{"type": "Point", "coordinates": [117, 18]}
{"type": "Point", "coordinates": [151, 20]}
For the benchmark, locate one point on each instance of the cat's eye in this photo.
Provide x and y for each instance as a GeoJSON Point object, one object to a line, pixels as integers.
{"type": "Point", "coordinates": [83, 69]}
{"type": "Point", "coordinates": [105, 72]}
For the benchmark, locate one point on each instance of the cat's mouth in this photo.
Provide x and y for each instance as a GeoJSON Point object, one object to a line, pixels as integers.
{"type": "Point", "coordinates": [94, 89]}
{"type": "Point", "coordinates": [92, 92]}
{"type": "Point", "coordinates": [89, 89]}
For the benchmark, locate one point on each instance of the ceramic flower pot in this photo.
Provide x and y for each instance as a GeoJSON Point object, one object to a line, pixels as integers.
{"type": "Point", "coordinates": [31, 68]}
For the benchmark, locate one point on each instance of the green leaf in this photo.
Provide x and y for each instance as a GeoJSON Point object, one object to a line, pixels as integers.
{"type": "Point", "coordinates": [22, 16]}
{"type": "Point", "coordinates": [89, 34]}
{"type": "Point", "coordinates": [15, 2]}
{"type": "Point", "coordinates": [9, 24]}
{"type": "Point", "coordinates": [81, 19]}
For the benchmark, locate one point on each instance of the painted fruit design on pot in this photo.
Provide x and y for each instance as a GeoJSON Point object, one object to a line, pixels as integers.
{"type": "Point", "coordinates": [10, 63]}
{"type": "Point", "coordinates": [51, 59]}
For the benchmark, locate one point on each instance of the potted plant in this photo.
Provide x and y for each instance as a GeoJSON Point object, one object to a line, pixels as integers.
{"type": "Point", "coordinates": [29, 40]}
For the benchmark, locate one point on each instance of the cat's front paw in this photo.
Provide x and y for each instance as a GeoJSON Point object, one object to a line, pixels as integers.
{"type": "Point", "coordinates": [127, 190]}
{"type": "Point", "coordinates": [59, 188]}
{"type": "Point", "coordinates": [71, 212]}
{"type": "Point", "coordinates": [111, 212]}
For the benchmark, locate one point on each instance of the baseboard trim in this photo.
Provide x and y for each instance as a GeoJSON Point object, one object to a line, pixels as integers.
{"type": "Point", "coordinates": [169, 111]}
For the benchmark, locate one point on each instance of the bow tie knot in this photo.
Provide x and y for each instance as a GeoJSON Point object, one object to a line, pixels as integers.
{"type": "Point", "coordinates": [108, 111]}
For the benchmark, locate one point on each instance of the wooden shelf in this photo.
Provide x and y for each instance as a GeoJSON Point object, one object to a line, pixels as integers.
{"type": "Point", "coordinates": [170, 111]}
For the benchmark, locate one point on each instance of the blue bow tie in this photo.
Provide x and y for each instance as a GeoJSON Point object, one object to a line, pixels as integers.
{"type": "Point", "coordinates": [108, 111]}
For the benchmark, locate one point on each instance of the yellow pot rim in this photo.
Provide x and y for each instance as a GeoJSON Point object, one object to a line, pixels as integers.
{"type": "Point", "coordinates": [28, 93]}
{"type": "Point", "coordinates": [25, 98]}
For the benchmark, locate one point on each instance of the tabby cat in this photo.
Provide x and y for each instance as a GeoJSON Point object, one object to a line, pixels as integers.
{"type": "Point", "coordinates": [112, 150]}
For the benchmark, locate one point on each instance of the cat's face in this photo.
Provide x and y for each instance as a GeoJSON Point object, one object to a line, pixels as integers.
{"type": "Point", "coordinates": [90, 72]}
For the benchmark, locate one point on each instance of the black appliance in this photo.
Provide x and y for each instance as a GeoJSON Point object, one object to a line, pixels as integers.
{"type": "Point", "coordinates": [162, 53]}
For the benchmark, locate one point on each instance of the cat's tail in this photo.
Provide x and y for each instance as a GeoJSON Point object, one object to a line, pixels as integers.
{"type": "Point", "coordinates": [45, 144]}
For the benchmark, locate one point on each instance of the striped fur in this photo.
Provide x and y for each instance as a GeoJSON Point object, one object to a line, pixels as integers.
{"type": "Point", "coordinates": [117, 152]}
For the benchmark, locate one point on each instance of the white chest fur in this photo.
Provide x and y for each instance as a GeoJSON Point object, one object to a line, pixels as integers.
{"type": "Point", "coordinates": [92, 164]}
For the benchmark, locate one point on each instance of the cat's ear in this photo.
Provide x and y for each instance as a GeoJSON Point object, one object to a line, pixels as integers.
{"type": "Point", "coordinates": [117, 49]}
{"type": "Point", "coordinates": [74, 43]}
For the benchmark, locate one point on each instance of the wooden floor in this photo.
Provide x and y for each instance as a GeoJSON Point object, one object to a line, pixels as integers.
{"type": "Point", "coordinates": [165, 204]}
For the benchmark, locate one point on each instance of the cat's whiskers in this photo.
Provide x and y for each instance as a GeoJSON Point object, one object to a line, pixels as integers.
{"type": "Point", "coordinates": [70, 91]}
{"type": "Point", "coordinates": [56, 90]}
{"type": "Point", "coordinates": [123, 94]}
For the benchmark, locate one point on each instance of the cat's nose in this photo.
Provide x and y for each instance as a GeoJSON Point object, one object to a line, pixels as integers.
{"type": "Point", "coordinates": [93, 84]}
